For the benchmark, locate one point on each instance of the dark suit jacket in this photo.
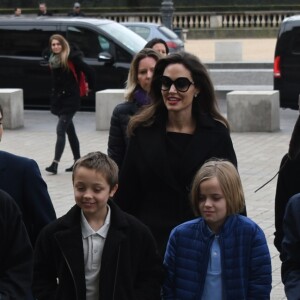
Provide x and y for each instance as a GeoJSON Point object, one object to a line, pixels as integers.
{"type": "Point", "coordinates": [16, 257]}
{"type": "Point", "coordinates": [21, 178]}
{"type": "Point", "coordinates": [148, 188]}
{"type": "Point", "coordinates": [131, 268]}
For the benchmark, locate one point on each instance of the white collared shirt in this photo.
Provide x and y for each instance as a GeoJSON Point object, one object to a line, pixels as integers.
{"type": "Point", "coordinates": [93, 244]}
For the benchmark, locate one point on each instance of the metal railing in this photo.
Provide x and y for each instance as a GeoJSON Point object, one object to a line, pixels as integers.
{"type": "Point", "coordinates": [209, 20]}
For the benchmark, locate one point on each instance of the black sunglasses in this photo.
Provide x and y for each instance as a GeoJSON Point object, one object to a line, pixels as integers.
{"type": "Point", "coordinates": [182, 84]}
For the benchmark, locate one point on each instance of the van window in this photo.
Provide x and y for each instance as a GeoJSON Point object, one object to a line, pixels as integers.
{"type": "Point", "coordinates": [92, 43]}
{"type": "Point", "coordinates": [89, 42]}
{"type": "Point", "coordinates": [144, 32]}
{"type": "Point", "coordinates": [296, 40]}
{"type": "Point", "coordinates": [126, 37]}
{"type": "Point", "coordinates": [24, 40]}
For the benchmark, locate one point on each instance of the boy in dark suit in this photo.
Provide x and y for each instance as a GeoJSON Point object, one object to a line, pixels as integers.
{"type": "Point", "coordinates": [96, 251]}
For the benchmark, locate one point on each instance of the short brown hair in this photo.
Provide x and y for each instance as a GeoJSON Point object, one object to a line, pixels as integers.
{"type": "Point", "coordinates": [229, 180]}
{"type": "Point", "coordinates": [101, 163]}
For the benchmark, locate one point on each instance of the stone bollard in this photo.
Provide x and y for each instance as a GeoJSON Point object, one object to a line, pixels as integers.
{"type": "Point", "coordinates": [106, 101]}
{"type": "Point", "coordinates": [253, 111]}
{"type": "Point", "coordinates": [12, 104]}
{"type": "Point", "coordinates": [228, 51]}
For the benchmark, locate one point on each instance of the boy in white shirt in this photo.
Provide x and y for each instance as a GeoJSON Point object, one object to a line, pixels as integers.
{"type": "Point", "coordinates": [96, 251]}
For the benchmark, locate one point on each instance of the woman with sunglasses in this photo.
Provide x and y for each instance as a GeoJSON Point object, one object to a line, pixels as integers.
{"type": "Point", "coordinates": [169, 142]}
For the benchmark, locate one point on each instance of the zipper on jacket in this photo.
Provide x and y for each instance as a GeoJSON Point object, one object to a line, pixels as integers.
{"type": "Point", "coordinates": [224, 294]}
{"type": "Point", "coordinates": [69, 267]}
{"type": "Point", "coordinates": [116, 274]}
{"type": "Point", "coordinates": [204, 272]}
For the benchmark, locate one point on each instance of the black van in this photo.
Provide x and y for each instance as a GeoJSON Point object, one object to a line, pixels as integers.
{"type": "Point", "coordinates": [107, 46]}
{"type": "Point", "coordinates": [287, 62]}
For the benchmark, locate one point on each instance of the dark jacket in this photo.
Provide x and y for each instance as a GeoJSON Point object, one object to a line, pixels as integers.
{"type": "Point", "coordinates": [130, 270]}
{"type": "Point", "coordinates": [16, 257]}
{"type": "Point", "coordinates": [65, 97]}
{"type": "Point", "coordinates": [291, 248]}
{"type": "Point", "coordinates": [21, 178]}
{"type": "Point", "coordinates": [76, 14]}
{"type": "Point", "coordinates": [148, 187]}
{"type": "Point", "coordinates": [118, 140]}
{"type": "Point", "coordinates": [288, 184]}
{"type": "Point", "coordinates": [245, 259]}
{"type": "Point", "coordinates": [46, 14]}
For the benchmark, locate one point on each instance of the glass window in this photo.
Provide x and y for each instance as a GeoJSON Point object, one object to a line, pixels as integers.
{"type": "Point", "coordinates": [89, 42]}
{"type": "Point", "coordinates": [296, 41]}
{"type": "Point", "coordinates": [144, 32]}
{"type": "Point", "coordinates": [25, 40]}
{"type": "Point", "coordinates": [125, 36]}
{"type": "Point", "coordinates": [168, 32]}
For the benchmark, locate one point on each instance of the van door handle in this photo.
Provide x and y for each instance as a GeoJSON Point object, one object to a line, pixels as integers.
{"type": "Point", "coordinates": [44, 63]}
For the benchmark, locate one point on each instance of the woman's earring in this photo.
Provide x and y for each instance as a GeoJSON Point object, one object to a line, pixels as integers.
{"type": "Point", "coordinates": [195, 96]}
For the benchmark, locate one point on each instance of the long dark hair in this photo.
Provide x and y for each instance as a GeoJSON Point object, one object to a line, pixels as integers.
{"type": "Point", "coordinates": [204, 102]}
{"type": "Point", "coordinates": [155, 41]}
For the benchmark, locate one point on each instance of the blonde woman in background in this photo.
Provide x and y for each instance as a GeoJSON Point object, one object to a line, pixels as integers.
{"type": "Point", "coordinates": [137, 89]}
{"type": "Point", "coordinates": [65, 96]}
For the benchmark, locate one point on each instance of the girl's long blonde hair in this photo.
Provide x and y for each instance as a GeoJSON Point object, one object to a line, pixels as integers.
{"type": "Point", "coordinates": [63, 56]}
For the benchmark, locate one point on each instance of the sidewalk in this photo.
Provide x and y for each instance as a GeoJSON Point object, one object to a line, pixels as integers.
{"type": "Point", "coordinates": [258, 154]}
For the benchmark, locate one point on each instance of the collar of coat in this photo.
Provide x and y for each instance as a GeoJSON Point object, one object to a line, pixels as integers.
{"type": "Point", "coordinates": [69, 239]}
{"type": "Point", "coordinates": [197, 151]}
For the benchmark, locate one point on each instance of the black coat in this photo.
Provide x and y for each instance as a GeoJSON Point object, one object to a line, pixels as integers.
{"type": "Point", "coordinates": [291, 248]}
{"type": "Point", "coordinates": [131, 268]}
{"type": "Point", "coordinates": [118, 140]}
{"type": "Point", "coordinates": [21, 178]}
{"type": "Point", "coordinates": [288, 184]}
{"type": "Point", "coordinates": [65, 96]}
{"type": "Point", "coordinates": [16, 257]}
{"type": "Point", "coordinates": [148, 187]}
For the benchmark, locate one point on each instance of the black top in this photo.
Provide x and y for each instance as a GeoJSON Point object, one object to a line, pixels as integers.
{"type": "Point", "coordinates": [47, 13]}
{"type": "Point", "coordinates": [148, 186]}
{"type": "Point", "coordinates": [176, 146]}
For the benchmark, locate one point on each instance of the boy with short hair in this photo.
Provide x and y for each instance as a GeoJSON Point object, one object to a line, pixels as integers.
{"type": "Point", "coordinates": [96, 251]}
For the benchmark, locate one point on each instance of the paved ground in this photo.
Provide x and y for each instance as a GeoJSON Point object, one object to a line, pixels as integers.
{"type": "Point", "coordinates": [258, 154]}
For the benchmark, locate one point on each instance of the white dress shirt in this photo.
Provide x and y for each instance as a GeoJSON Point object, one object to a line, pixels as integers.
{"type": "Point", "coordinates": [93, 244]}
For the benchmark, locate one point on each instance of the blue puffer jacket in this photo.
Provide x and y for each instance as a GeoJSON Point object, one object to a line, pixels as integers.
{"type": "Point", "coordinates": [246, 262]}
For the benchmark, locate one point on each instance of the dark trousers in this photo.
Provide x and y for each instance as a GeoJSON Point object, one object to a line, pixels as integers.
{"type": "Point", "coordinates": [65, 126]}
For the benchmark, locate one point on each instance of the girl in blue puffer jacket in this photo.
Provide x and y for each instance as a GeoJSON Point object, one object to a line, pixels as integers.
{"type": "Point", "coordinates": [220, 255]}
